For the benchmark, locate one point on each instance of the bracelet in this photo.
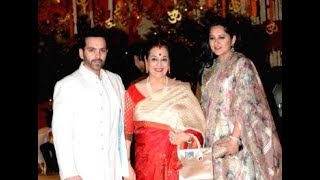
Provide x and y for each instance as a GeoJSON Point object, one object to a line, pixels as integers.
{"type": "Point", "coordinates": [190, 141]}
{"type": "Point", "coordinates": [236, 139]}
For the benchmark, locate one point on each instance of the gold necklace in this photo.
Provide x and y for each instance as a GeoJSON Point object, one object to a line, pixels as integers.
{"type": "Point", "coordinates": [149, 88]}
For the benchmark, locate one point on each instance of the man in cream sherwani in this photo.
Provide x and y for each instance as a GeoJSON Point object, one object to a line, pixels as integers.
{"type": "Point", "coordinates": [87, 122]}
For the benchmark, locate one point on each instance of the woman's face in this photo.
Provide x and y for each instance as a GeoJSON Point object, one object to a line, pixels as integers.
{"type": "Point", "coordinates": [158, 62]}
{"type": "Point", "coordinates": [220, 42]}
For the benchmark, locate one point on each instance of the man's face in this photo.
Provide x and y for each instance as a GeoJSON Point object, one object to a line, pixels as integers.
{"type": "Point", "coordinates": [94, 53]}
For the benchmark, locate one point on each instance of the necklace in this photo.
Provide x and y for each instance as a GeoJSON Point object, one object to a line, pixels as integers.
{"type": "Point", "coordinates": [149, 88]}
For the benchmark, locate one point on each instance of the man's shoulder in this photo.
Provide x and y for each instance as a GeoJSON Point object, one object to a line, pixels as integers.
{"type": "Point", "coordinates": [112, 75]}
{"type": "Point", "coordinates": [70, 78]}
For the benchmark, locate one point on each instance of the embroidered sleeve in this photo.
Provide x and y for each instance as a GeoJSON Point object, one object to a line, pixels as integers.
{"type": "Point", "coordinates": [193, 144]}
{"type": "Point", "coordinates": [128, 113]}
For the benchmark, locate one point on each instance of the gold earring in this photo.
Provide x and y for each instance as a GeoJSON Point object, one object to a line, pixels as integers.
{"type": "Point", "coordinates": [232, 49]}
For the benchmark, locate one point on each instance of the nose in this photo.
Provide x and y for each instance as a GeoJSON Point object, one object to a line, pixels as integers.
{"type": "Point", "coordinates": [216, 41]}
{"type": "Point", "coordinates": [158, 63]}
{"type": "Point", "coordinates": [97, 54]}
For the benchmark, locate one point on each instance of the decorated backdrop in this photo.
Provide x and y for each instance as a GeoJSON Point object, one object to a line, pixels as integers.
{"type": "Point", "coordinates": [132, 21]}
{"type": "Point", "coordinates": [138, 17]}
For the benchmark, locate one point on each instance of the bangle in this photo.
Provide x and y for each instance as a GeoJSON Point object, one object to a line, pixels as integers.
{"type": "Point", "coordinates": [236, 139]}
{"type": "Point", "coordinates": [190, 140]}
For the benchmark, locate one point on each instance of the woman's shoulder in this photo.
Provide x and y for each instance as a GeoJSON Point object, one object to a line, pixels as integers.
{"type": "Point", "coordinates": [135, 92]}
{"type": "Point", "coordinates": [139, 84]}
{"type": "Point", "coordinates": [180, 83]}
{"type": "Point", "coordinates": [243, 64]}
{"type": "Point", "coordinates": [134, 86]}
{"type": "Point", "coordinates": [138, 87]}
{"type": "Point", "coordinates": [240, 57]}
{"type": "Point", "coordinates": [241, 60]}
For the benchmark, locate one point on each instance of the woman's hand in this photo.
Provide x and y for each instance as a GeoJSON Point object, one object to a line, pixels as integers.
{"type": "Point", "coordinates": [231, 145]}
{"type": "Point", "coordinates": [178, 137]}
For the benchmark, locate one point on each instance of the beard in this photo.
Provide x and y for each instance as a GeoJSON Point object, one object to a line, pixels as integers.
{"type": "Point", "coordinates": [97, 63]}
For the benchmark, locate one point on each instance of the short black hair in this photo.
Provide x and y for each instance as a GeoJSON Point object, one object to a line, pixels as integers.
{"type": "Point", "coordinates": [97, 31]}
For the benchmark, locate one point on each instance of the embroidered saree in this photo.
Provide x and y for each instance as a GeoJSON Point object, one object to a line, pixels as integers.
{"type": "Point", "coordinates": [233, 93]}
{"type": "Point", "coordinates": [151, 118]}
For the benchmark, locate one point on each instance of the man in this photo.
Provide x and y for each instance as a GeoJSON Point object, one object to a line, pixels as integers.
{"type": "Point", "coordinates": [87, 128]}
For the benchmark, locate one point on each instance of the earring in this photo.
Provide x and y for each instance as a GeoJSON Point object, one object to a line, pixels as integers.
{"type": "Point", "coordinates": [232, 49]}
{"type": "Point", "coordinates": [146, 67]}
{"type": "Point", "coordinates": [169, 70]}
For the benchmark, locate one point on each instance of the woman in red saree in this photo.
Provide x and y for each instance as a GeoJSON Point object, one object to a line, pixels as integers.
{"type": "Point", "coordinates": [162, 113]}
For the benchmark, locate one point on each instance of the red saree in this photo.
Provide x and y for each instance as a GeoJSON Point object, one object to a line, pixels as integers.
{"type": "Point", "coordinates": [155, 156]}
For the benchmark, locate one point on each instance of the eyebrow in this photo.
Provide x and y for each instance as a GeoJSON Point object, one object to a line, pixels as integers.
{"type": "Point", "coordinates": [218, 34]}
{"type": "Point", "coordinates": [89, 47]}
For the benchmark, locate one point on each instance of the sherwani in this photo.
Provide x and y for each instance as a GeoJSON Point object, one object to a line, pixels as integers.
{"type": "Point", "coordinates": [87, 125]}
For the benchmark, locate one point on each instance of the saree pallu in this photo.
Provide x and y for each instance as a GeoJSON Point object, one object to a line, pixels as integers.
{"type": "Point", "coordinates": [151, 119]}
{"type": "Point", "coordinates": [233, 93]}
{"type": "Point", "coordinates": [175, 106]}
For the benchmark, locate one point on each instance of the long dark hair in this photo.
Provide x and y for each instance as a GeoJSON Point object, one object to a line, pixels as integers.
{"type": "Point", "coordinates": [206, 56]}
{"type": "Point", "coordinates": [229, 27]}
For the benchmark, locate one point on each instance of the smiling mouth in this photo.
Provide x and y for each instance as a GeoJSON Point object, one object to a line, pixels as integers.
{"type": "Point", "coordinates": [158, 69]}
